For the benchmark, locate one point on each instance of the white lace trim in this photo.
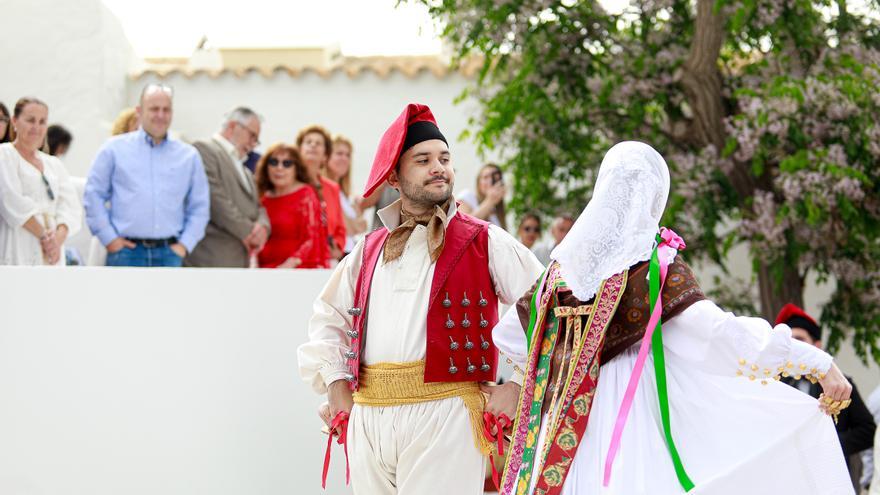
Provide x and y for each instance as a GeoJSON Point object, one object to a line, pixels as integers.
{"type": "Point", "coordinates": [618, 226]}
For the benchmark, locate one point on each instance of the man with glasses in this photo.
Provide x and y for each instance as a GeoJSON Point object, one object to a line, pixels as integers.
{"type": "Point", "coordinates": [239, 226]}
{"type": "Point", "coordinates": [146, 196]}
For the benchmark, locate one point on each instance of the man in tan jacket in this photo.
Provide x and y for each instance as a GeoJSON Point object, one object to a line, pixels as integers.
{"type": "Point", "coordinates": [239, 225]}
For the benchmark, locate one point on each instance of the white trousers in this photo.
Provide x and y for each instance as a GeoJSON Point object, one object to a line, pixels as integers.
{"type": "Point", "coordinates": [415, 449]}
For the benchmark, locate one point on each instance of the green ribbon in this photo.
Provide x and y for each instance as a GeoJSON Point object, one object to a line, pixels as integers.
{"type": "Point", "coordinates": [533, 307]}
{"type": "Point", "coordinates": [660, 372]}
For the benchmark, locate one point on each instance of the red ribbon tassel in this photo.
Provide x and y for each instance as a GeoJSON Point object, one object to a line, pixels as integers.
{"type": "Point", "coordinates": [499, 423]}
{"type": "Point", "coordinates": [340, 424]}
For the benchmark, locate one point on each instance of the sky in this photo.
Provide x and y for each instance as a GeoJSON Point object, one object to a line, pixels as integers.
{"type": "Point", "coordinates": [359, 27]}
{"type": "Point", "coordinates": [173, 28]}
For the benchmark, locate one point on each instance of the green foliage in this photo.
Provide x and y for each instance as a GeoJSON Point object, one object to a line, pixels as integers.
{"type": "Point", "coordinates": [796, 174]}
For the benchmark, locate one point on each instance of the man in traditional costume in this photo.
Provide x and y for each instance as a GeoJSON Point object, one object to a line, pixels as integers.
{"type": "Point", "coordinates": [712, 417]}
{"type": "Point", "coordinates": [403, 328]}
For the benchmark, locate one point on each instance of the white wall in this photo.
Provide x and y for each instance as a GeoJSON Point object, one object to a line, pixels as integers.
{"type": "Point", "coordinates": [173, 381]}
{"type": "Point", "coordinates": [127, 381]}
{"type": "Point", "coordinates": [75, 57]}
{"type": "Point", "coordinates": [360, 107]}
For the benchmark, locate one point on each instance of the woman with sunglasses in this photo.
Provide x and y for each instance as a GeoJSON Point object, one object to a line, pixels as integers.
{"type": "Point", "coordinates": [39, 207]}
{"type": "Point", "coordinates": [298, 238]}
{"type": "Point", "coordinates": [529, 230]}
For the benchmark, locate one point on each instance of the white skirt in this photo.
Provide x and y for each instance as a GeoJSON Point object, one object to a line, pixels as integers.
{"type": "Point", "coordinates": [734, 437]}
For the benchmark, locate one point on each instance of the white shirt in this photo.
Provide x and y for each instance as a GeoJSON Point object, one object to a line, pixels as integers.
{"type": "Point", "coordinates": [232, 151]}
{"type": "Point", "coordinates": [23, 195]}
{"type": "Point", "coordinates": [350, 213]}
{"type": "Point", "coordinates": [875, 484]}
{"type": "Point", "coordinates": [398, 307]}
{"type": "Point", "coordinates": [469, 198]}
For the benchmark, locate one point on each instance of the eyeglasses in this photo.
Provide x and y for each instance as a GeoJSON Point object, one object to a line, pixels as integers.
{"type": "Point", "coordinates": [274, 162]}
{"type": "Point", "coordinates": [254, 136]}
{"type": "Point", "coordinates": [48, 187]}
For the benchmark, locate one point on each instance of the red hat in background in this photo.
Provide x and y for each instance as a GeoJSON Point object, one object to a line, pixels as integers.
{"type": "Point", "coordinates": [392, 144]}
{"type": "Point", "coordinates": [794, 316]}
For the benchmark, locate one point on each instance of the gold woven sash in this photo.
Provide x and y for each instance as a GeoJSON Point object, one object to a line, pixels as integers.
{"type": "Point", "coordinates": [395, 384]}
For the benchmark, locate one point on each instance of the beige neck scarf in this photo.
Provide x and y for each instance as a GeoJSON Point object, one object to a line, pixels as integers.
{"type": "Point", "coordinates": [435, 221]}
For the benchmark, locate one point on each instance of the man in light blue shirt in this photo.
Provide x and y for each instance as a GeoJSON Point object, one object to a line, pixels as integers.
{"type": "Point", "coordinates": [159, 203]}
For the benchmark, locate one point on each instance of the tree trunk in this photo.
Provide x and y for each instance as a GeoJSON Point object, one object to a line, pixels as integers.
{"type": "Point", "coordinates": [702, 83]}
{"type": "Point", "coordinates": [701, 80]}
{"type": "Point", "coordinates": [777, 293]}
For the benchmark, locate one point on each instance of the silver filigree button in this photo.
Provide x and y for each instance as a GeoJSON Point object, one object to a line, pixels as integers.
{"type": "Point", "coordinates": [470, 367]}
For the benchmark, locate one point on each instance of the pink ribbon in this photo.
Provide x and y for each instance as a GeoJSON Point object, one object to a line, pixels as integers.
{"type": "Point", "coordinates": [339, 426]}
{"type": "Point", "coordinates": [670, 241]}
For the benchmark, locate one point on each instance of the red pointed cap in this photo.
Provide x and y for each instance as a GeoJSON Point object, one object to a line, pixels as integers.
{"type": "Point", "coordinates": [795, 317]}
{"type": "Point", "coordinates": [391, 145]}
{"type": "Point", "coordinates": [789, 311]}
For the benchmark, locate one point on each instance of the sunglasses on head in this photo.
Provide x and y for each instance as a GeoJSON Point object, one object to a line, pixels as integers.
{"type": "Point", "coordinates": [48, 188]}
{"type": "Point", "coordinates": [274, 162]}
{"type": "Point", "coordinates": [149, 88]}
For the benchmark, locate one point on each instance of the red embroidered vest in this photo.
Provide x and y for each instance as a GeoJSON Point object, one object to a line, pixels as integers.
{"type": "Point", "coordinates": [462, 306]}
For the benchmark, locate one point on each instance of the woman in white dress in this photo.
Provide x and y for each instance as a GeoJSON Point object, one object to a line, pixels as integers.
{"type": "Point", "coordinates": [711, 418]}
{"type": "Point", "coordinates": [39, 207]}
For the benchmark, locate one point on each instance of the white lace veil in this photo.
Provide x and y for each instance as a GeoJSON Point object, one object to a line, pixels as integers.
{"type": "Point", "coordinates": [617, 228]}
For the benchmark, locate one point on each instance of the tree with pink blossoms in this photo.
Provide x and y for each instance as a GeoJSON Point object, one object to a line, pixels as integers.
{"type": "Point", "coordinates": [768, 112]}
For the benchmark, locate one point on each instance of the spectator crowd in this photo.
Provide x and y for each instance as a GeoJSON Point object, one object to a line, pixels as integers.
{"type": "Point", "coordinates": [152, 200]}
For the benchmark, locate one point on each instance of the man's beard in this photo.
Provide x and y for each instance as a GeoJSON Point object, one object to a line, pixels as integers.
{"type": "Point", "coordinates": [420, 195]}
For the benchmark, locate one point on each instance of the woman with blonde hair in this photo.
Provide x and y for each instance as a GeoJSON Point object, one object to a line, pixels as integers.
{"type": "Point", "coordinates": [126, 121]}
{"type": "Point", "coordinates": [338, 169]}
{"type": "Point", "coordinates": [487, 203]}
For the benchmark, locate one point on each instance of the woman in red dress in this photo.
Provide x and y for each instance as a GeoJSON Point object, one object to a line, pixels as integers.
{"type": "Point", "coordinates": [299, 238]}
{"type": "Point", "coordinates": [315, 147]}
